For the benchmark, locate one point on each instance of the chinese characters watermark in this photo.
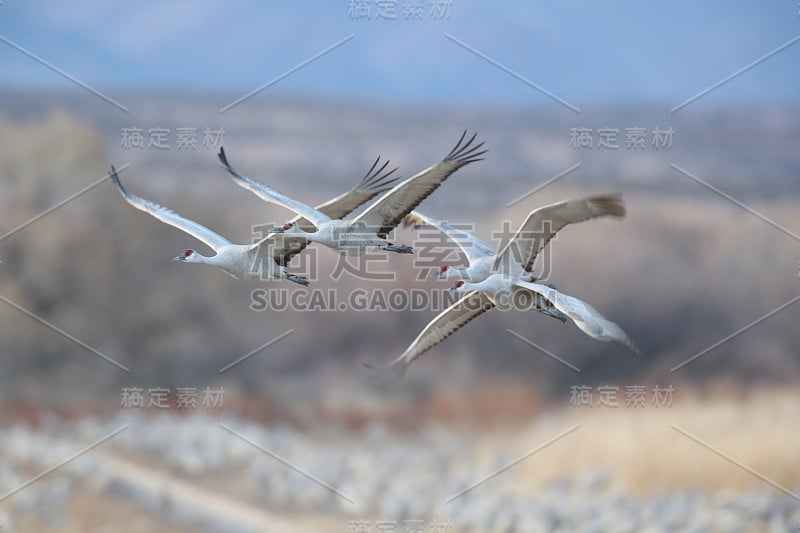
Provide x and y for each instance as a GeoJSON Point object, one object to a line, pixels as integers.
{"type": "Point", "coordinates": [185, 138]}
{"type": "Point", "coordinates": [162, 398]}
{"type": "Point", "coordinates": [634, 138]}
{"type": "Point", "coordinates": [633, 397]}
{"type": "Point", "coordinates": [409, 10]}
{"type": "Point", "coordinates": [399, 526]}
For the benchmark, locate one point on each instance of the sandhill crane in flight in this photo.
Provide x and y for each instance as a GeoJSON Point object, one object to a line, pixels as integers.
{"type": "Point", "coordinates": [517, 257]}
{"type": "Point", "coordinates": [366, 232]}
{"type": "Point", "coordinates": [504, 292]}
{"type": "Point", "coordinates": [264, 259]}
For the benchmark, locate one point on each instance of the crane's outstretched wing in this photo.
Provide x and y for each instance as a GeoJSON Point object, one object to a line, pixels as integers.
{"type": "Point", "coordinates": [586, 317]}
{"type": "Point", "coordinates": [170, 217]}
{"type": "Point", "coordinates": [376, 181]}
{"type": "Point", "coordinates": [385, 214]}
{"type": "Point", "coordinates": [280, 246]}
{"type": "Point", "coordinates": [543, 223]}
{"type": "Point", "coordinates": [268, 194]}
{"type": "Point", "coordinates": [449, 321]}
{"type": "Point", "coordinates": [473, 247]}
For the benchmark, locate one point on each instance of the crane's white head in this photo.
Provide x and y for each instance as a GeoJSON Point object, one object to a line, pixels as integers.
{"type": "Point", "coordinates": [441, 272]}
{"type": "Point", "coordinates": [459, 285]}
{"type": "Point", "coordinates": [188, 256]}
{"type": "Point", "coordinates": [286, 227]}
{"type": "Point", "coordinates": [448, 272]}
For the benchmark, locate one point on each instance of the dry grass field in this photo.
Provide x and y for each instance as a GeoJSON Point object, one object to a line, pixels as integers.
{"type": "Point", "coordinates": [624, 468]}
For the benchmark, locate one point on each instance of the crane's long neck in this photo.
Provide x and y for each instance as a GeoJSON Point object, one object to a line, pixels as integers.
{"type": "Point", "coordinates": [319, 236]}
{"type": "Point", "coordinates": [492, 284]}
{"type": "Point", "coordinates": [457, 273]}
{"type": "Point", "coordinates": [478, 270]}
{"type": "Point", "coordinates": [468, 286]}
{"type": "Point", "coordinates": [199, 258]}
{"type": "Point", "coordinates": [313, 237]}
{"type": "Point", "coordinates": [233, 265]}
{"type": "Point", "coordinates": [472, 272]}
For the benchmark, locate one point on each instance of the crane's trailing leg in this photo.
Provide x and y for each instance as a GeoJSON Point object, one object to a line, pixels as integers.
{"type": "Point", "coordinates": [399, 248]}
{"type": "Point", "coordinates": [302, 280]}
{"type": "Point", "coordinates": [558, 315]}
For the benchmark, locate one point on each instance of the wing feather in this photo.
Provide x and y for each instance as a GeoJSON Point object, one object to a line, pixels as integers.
{"type": "Point", "coordinates": [449, 321]}
{"type": "Point", "coordinates": [472, 246]}
{"type": "Point", "coordinates": [586, 317]}
{"type": "Point", "coordinates": [374, 182]}
{"type": "Point", "coordinates": [170, 217]}
{"type": "Point", "coordinates": [268, 194]}
{"type": "Point", "coordinates": [543, 223]}
{"type": "Point", "coordinates": [385, 214]}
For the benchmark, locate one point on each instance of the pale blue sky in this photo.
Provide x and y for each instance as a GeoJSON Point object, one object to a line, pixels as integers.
{"type": "Point", "coordinates": [584, 52]}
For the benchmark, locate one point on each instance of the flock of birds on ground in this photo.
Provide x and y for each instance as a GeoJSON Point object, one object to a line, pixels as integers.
{"type": "Point", "coordinates": [503, 279]}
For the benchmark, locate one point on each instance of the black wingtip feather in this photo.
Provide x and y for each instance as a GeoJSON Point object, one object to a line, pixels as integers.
{"type": "Point", "coordinates": [115, 179]}
{"type": "Point", "coordinates": [466, 150]}
{"type": "Point", "coordinates": [458, 144]}
{"type": "Point", "coordinates": [385, 164]}
{"type": "Point", "coordinates": [369, 172]}
{"type": "Point", "coordinates": [386, 180]}
{"type": "Point", "coordinates": [376, 176]}
{"type": "Point", "coordinates": [222, 157]}
{"type": "Point", "coordinates": [375, 179]}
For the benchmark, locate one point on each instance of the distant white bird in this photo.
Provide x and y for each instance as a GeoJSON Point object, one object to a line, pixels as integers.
{"type": "Point", "coordinates": [517, 257]}
{"type": "Point", "coordinates": [505, 292]}
{"type": "Point", "coordinates": [366, 232]}
{"type": "Point", "coordinates": [264, 259]}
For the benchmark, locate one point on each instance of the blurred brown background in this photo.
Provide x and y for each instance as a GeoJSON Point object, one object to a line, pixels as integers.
{"type": "Point", "coordinates": [139, 394]}
{"type": "Point", "coordinates": [684, 270]}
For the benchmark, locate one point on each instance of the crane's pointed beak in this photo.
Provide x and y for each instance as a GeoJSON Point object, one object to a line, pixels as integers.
{"type": "Point", "coordinates": [179, 258]}
{"type": "Point", "coordinates": [436, 274]}
{"type": "Point", "coordinates": [279, 229]}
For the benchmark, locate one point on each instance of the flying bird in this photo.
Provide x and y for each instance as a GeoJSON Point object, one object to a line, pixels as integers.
{"type": "Point", "coordinates": [517, 257]}
{"type": "Point", "coordinates": [504, 292]}
{"type": "Point", "coordinates": [376, 181]}
{"type": "Point", "coordinates": [264, 259]}
{"type": "Point", "coordinates": [368, 231]}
